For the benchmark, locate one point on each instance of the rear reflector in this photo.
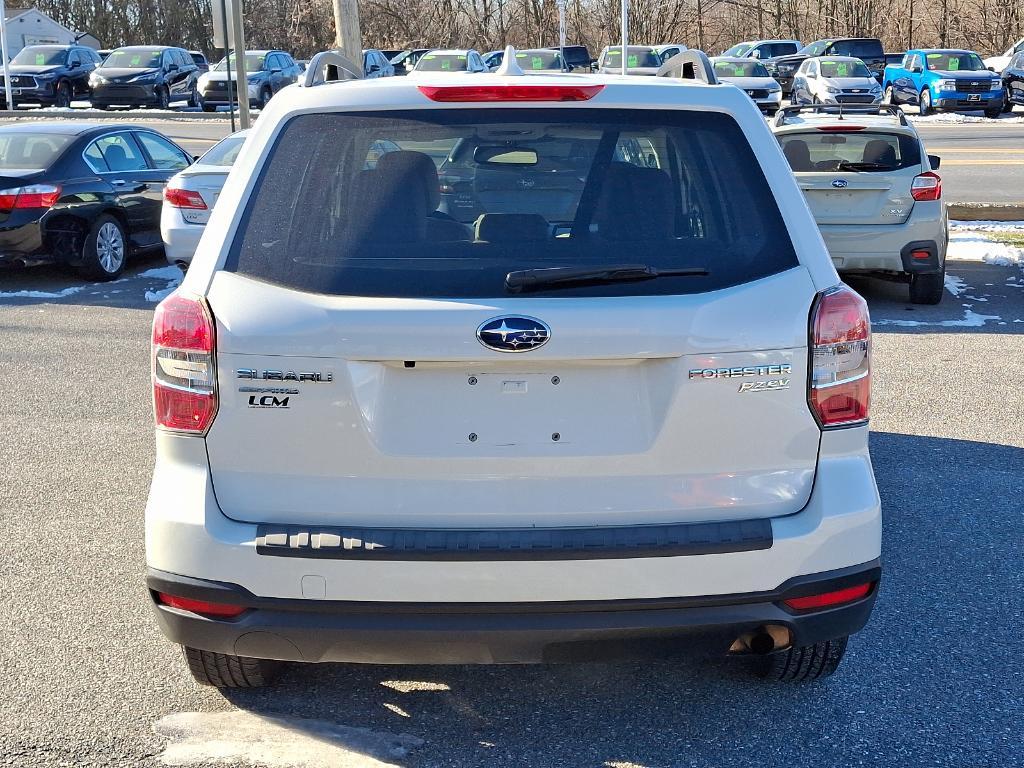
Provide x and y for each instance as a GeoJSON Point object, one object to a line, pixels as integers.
{"type": "Point", "coordinates": [32, 196]}
{"type": "Point", "coordinates": [202, 607]}
{"type": "Point", "coordinates": [829, 599]}
{"type": "Point", "coordinates": [920, 255]}
{"type": "Point", "coordinates": [840, 387]}
{"type": "Point", "coordinates": [498, 93]}
{"type": "Point", "coordinates": [184, 375]}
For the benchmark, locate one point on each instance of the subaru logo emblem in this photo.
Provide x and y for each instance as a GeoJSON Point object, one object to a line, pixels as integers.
{"type": "Point", "coordinates": [513, 333]}
{"type": "Point", "coordinates": [840, 183]}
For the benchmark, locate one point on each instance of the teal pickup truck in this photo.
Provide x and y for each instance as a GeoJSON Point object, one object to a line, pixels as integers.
{"type": "Point", "coordinates": [943, 81]}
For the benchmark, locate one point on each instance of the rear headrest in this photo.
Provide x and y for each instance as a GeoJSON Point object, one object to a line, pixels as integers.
{"type": "Point", "coordinates": [116, 157]}
{"type": "Point", "coordinates": [416, 169]}
{"type": "Point", "coordinates": [511, 228]}
{"type": "Point", "coordinates": [40, 154]}
{"type": "Point", "coordinates": [635, 204]}
{"type": "Point", "coordinates": [879, 151]}
{"type": "Point", "coordinates": [798, 155]}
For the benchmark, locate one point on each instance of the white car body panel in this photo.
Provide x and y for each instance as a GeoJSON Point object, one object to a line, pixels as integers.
{"type": "Point", "coordinates": [181, 236]}
{"type": "Point", "coordinates": [383, 444]}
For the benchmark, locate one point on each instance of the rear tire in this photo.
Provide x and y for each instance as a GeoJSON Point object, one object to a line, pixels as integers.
{"type": "Point", "coordinates": [265, 96]}
{"type": "Point", "coordinates": [890, 97]}
{"type": "Point", "coordinates": [797, 665]}
{"type": "Point", "coordinates": [163, 98]}
{"type": "Point", "coordinates": [223, 671]}
{"type": "Point", "coordinates": [105, 249]}
{"type": "Point", "coordinates": [209, 108]}
{"type": "Point", "coordinates": [1007, 104]}
{"type": "Point", "coordinates": [928, 288]}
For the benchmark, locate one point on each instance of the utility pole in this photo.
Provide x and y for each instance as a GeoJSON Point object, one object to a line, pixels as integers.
{"type": "Point", "coordinates": [3, 52]}
{"type": "Point", "coordinates": [910, 27]}
{"type": "Point", "coordinates": [240, 77]}
{"type": "Point", "coordinates": [348, 37]}
{"type": "Point", "coordinates": [624, 30]}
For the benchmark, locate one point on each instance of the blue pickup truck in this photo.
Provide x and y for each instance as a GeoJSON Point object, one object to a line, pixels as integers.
{"type": "Point", "coordinates": [944, 81]}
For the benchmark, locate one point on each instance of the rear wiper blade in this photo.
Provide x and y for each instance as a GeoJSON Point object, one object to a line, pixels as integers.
{"type": "Point", "coordinates": [533, 279]}
{"type": "Point", "coordinates": [849, 165]}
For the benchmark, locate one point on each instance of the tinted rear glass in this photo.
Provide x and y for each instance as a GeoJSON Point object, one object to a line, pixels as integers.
{"type": "Point", "coordinates": [864, 151]}
{"type": "Point", "coordinates": [31, 150]}
{"type": "Point", "coordinates": [445, 203]}
{"type": "Point", "coordinates": [777, 49]}
{"type": "Point", "coordinates": [862, 49]}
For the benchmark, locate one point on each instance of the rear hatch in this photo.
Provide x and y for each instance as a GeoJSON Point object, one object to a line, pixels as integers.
{"type": "Point", "coordinates": [364, 381]}
{"type": "Point", "coordinates": [854, 175]}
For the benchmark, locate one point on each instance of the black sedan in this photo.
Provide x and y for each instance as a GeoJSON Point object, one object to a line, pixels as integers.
{"type": "Point", "coordinates": [50, 75]}
{"type": "Point", "coordinates": [84, 195]}
{"type": "Point", "coordinates": [1013, 83]}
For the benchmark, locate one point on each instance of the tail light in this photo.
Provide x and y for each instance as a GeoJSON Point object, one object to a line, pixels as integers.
{"type": "Point", "coordinates": [190, 202]}
{"type": "Point", "coordinates": [184, 373]}
{"type": "Point", "coordinates": [450, 93]}
{"type": "Point", "coordinates": [830, 599]}
{"type": "Point", "coordinates": [927, 186]}
{"type": "Point", "coordinates": [840, 384]}
{"type": "Point", "coordinates": [33, 196]}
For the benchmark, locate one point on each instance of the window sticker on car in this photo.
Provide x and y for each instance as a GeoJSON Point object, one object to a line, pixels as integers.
{"type": "Point", "coordinates": [842, 69]}
{"type": "Point", "coordinates": [633, 61]}
{"type": "Point", "coordinates": [40, 59]}
{"type": "Point", "coordinates": [446, 64]}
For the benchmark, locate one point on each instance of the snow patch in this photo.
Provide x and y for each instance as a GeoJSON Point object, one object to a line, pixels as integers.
{"type": "Point", "coordinates": [42, 294]}
{"type": "Point", "coordinates": [957, 119]}
{"type": "Point", "coordinates": [172, 275]}
{"type": "Point", "coordinates": [956, 285]}
{"type": "Point", "coordinates": [970, 320]}
{"type": "Point", "coordinates": [228, 738]}
{"type": "Point", "coordinates": [987, 226]}
{"type": "Point", "coordinates": [975, 246]}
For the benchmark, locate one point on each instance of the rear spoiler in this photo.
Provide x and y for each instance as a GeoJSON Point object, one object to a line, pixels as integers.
{"type": "Point", "coordinates": [840, 110]}
{"type": "Point", "coordinates": [689, 65]}
{"type": "Point", "coordinates": [329, 67]}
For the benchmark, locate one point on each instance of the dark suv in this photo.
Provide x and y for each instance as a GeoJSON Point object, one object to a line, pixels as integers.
{"type": "Point", "coordinates": [145, 76]}
{"type": "Point", "coordinates": [867, 49]}
{"type": "Point", "coordinates": [50, 75]}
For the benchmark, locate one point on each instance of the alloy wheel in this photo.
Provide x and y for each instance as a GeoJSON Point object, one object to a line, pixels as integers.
{"type": "Point", "coordinates": [110, 247]}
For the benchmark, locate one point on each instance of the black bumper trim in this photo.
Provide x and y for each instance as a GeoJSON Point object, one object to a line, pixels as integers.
{"type": "Point", "coordinates": [319, 542]}
{"type": "Point", "coordinates": [376, 632]}
{"type": "Point", "coordinates": [918, 266]}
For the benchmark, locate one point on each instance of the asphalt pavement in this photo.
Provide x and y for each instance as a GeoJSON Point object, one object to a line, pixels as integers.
{"type": "Point", "coordinates": [934, 680]}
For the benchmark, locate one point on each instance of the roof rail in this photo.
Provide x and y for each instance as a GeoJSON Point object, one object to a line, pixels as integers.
{"type": "Point", "coordinates": [689, 65]}
{"type": "Point", "coordinates": [840, 110]}
{"type": "Point", "coordinates": [330, 66]}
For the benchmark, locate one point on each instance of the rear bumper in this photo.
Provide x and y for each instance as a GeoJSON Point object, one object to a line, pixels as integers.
{"type": "Point", "coordinates": [22, 242]}
{"type": "Point", "coordinates": [880, 247]}
{"type": "Point", "coordinates": [180, 238]}
{"type": "Point", "coordinates": [489, 633]}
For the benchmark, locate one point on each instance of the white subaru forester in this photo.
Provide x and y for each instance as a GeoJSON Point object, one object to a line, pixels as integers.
{"type": "Point", "coordinates": [491, 369]}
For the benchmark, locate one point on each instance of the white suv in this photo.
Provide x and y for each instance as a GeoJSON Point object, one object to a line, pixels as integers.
{"type": "Point", "coordinates": [602, 393]}
{"type": "Point", "coordinates": [873, 190]}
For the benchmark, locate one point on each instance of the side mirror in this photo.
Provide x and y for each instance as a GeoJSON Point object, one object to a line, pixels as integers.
{"type": "Point", "coordinates": [275, 70]}
{"type": "Point", "coordinates": [935, 161]}
{"type": "Point", "coordinates": [195, 158]}
{"type": "Point", "coordinates": [916, 70]}
{"type": "Point", "coordinates": [991, 69]}
{"type": "Point", "coordinates": [373, 68]}
{"type": "Point", "coordinates": [74, 65]}
{"type": "Point", "coordinates": [172, 67]}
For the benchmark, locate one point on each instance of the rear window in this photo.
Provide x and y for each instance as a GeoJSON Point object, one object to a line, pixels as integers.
{"type": "Point", "coordinates": [224, 153]}
{"type": "Point", "coordinates": [868, 152]}
{"type": "Point", "coordinates": [445, 203]}
{"type": "Point", "coordinates": [31, 150]}
{"type": "Point", "coordinates": [777, 49]}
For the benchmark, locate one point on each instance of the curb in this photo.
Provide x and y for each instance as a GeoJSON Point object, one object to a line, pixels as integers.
{"type": "Point", "coordinates": [985, 211]}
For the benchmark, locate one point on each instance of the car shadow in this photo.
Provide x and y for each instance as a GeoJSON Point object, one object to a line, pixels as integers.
{"type": "Point", "coordinates": [947, 622]}
{"type": "Point", "coordinates": [145, 280]}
